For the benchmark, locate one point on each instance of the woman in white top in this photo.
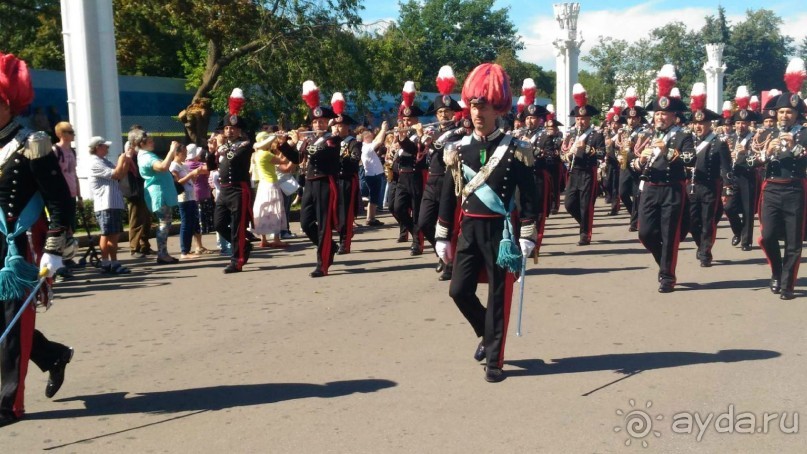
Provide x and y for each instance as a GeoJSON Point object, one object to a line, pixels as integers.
{"type": "Point", "coordinates": [269, 214]}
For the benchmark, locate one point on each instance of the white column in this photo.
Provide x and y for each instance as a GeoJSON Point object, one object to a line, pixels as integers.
{"type": "Point", "coordinates": [714, 69]}
{"type": "Point", "coordinates": [567, 53]}
{"type": "Point", "coordinates": [91, 72]}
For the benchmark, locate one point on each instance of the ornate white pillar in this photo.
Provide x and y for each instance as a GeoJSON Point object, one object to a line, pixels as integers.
{"type": "Point", "coordinates": [91, 71]}
{"type": "Point", "coordinates": [567, 47]}
{"type": "Point", "coordinates": [714, 69]}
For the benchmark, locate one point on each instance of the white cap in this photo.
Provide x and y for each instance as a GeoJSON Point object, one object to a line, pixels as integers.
{"type": "Point", "coordinates": [98, 140]}
{"type": "Point", "coordinates": [193, 151]}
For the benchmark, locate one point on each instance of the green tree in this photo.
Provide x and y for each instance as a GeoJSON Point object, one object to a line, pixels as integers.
{"type": "Point", "coordinates": [675, 44]}
{"type": "Point", "coordinates": [607, 57]}
{"type": "Point", "coordinates": [757, 52]}
{"type": "Point", "coordinates": [600, 93]}
{"type": "Point", "coordinates": [459, 33]}
{"type": "Point", "coordinates": [518, 71]}
{"type": "Point", "coordinates": [716, 30]}
{"type": "Point", "coordinates": [31, 29]}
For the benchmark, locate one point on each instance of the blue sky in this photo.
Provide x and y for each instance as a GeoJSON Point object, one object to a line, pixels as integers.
{"type": "Point", "coordinates": [619, 19]}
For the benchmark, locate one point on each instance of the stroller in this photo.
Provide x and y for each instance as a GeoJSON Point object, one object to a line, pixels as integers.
{"type": "Point", "coordinates": [91, 255]}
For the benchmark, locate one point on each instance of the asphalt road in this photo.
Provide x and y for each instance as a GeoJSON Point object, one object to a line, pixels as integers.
{"type": "Point", "coordinates": [375, 358]}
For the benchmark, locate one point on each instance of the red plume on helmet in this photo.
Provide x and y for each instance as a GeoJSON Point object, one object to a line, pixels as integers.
{"type": "Point", "coordinates": [338, 103]}
{"type": "Point", "coordinates": [795, 75]}
{"type": "Point", "coordinates": [528, 90]}
{"type": "Point", "coordinates": [580, 95]}
{"type": "Point", "coordinates": [617, 107]}
{"type": "Point", "coordinates": [753, 104]}
{"type": "Point", "coordinates": [310, 94]}
{"type": "Point", "coordinates": [697, 98]}
{"type": "Point", "coordinates": [726, 109]}
{"type": "Point", "coordinates": [490, 82]}
{"type": "Point", "coordinates": [609, 116]}
{"type": "Point", "coordinates": [520, 104]}
{"type": "Point", "coordinates": [665, 80]}
{"type": "Point", "coordinates": [236, 101]}
{"type": "Point", "coordinates": [446, 80]}
{"type": "Point", "coordinates": [16, 89]}
{"type": "Point", "coordinates": [630, 97]}
{"type": "Point", "coordinates": [551, 112]}
{"type": "Point", "coordinates": [742, 97]}
{"type": "Point", "coordinates": [408, 93]}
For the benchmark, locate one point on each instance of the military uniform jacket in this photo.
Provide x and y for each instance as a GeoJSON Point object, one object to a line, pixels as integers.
{"type": "Point", "coordinates": [349, 158]}
{"type": "Point", "coordinates": [437, 166]}
{"type": "Point", "coordinates": [323, 157]}
{"type": "Point", "coordinates": [665, 167]}
{"type": "Point", "coordinates": [27, 166]}
{"type": "Point", "coordinates": [712, 160]}
{"type": "Point", "coordinates": [515, 170]}
{"type": "Point", "coordinates": [547, 148]}
{"type": "Point", "coordinates": [235, 162]}
{"type": "Point", "coordinates": [786, 163]}
{"type": "Point", "coordinates": [742, 145]}
{"type": "Point", "coordinates": [413, 155]}
{"type": "Point", "coordinates": [632, 139]}
{"type": "Point", "coordinates": [595, 149]}
{"type": "Point", "coordinates": [611, 150]}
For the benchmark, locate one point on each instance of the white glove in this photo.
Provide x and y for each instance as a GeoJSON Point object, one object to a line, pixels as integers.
{"type": "Point", "coordinates": [527, 246]}
{"type": "Point", "coordinates": [52, 262]}
{"type": "Point", "coordinates": [443, 250]}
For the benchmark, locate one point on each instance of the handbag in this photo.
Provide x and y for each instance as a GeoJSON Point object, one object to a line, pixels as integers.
{"type": "Point", "coordinates": [131, 186]}
{"type": "Point", "coordinates": [180, 188]}
{"type": "Point", "coordinates": [288, 184]}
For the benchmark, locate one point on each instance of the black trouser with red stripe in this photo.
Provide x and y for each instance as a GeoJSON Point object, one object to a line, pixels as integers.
{"type": "Point", "coordinates": [741, 205]}
{"type": "Point", "coordinates": [430, 206]}
{"type": "Point", "coordinates": [702, 216]}
{"type": "Point", "coordinates": [581, 192]}
{"type": "Point", "coordinates": [408, 195]}
{"type": "Point", "coordinates": [629, 194]}
{"type": "Point", "coordinates": [232, 214]}
{"type": "Point", "coordinates": [661, 212]}
{"type": "Point", "coordinates": [22, 343]}
{"type": "Point", "coordinates": [316, 218]}
{"type": "Point", "coordinates": [554, 168]}
{"type": "Point", "coordinates": [612, 185]}
{"type": "Point", "coordinates": [781, 216]}
{"type": "Point", "coordinates": [348, 201]}
{"type": "Point", "coordinates": [477, 249]}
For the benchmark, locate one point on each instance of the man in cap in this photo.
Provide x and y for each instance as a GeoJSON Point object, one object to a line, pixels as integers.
{"type": "Point", "coordinates": [485, 169]}
{"type": "Point", "coordinates": [347, 181]}
{"type": "Point", "coordinates": [583, 146]}
{"type": "Point", "coordinates": [634, 117]}
{"type": "Point", "coordinates": [711, 165]}
{"type": "Point", "coordinates": [663, 181]}
{"type": "Point", "coordinates": [443, 107]}
{"type": "Point", "coordinates": [412, 162]}
{"type": "Point", "coordinates": [233, 204]}
{"type": "Point", "coordinates": [781, 212]}
{"type": "Point", "coordinates": [741, 190]}
{"type": "Point", "coordinates": [27, 187]}
{"type": "Point", "coordinates": [532, 117]}
{"type": "Point", "coordinates": [321, 152]}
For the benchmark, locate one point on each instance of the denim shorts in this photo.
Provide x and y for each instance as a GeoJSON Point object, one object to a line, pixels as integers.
{"type": "Point", "coordinates": [374, 183]}
{"type": "Point", "coordinates": [110, 221]}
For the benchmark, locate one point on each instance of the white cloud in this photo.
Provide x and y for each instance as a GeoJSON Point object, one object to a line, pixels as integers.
{"type": "Point", "coordinates": [628, 24]}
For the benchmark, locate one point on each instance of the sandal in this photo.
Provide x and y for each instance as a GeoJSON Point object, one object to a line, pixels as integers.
{"type": "Point", "coordinates": [203, 250]}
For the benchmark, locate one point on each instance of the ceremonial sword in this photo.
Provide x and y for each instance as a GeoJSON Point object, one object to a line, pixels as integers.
{"type": "Point", "coordinates": [42, 277]}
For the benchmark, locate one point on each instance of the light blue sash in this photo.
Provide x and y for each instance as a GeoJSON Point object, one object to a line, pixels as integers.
{"type": "Point", "coordinates": [17, 276]}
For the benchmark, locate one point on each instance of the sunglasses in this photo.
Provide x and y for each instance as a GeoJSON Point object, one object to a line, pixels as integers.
{"type": "Point", "coordinates": [70, 132]}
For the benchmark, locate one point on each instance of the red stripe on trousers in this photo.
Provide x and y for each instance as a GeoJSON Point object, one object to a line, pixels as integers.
{"type": "Point", "coordinates": [509, 281]}
{"type": "Point", "coordinates": [351, 212]}
{"type": "Point", "coordinates": [761, 226]}
{"type": "Point", "coordinates": [590, 212]}
{"type": "Point", "coordinates": [330, 221]}
{"type": "Point", "coordinates": [677, 237]}
{"type": "Point", "coordinates": [246, 215]}
{"type": "Point", "coordinates": [718, 193]}
{"type": "Point", "coordinates": [27, 323]}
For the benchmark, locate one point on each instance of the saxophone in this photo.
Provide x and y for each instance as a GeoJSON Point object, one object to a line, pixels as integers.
{"type": "Point", "coordinates": [566, 147]}
{"type": "Point", "coordinates": [623, 143]}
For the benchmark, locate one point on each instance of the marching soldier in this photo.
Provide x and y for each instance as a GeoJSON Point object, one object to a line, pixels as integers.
{"type": "Point", "coordinates": [27, 187]}
{"type": "Point", "coordinates": [412, 162]}
{"type": "Point", "coordinates": [551, 148]}
{"type": "Point", "coordinates": [741, 192]}
{"type": "Point", "coordinates": [348, 181]}
{"type": "Point", "coordinates": [320, 151]}
{"type": "Point", "coordinates": [611, 174]}
{"type": "Point", "coordinates": [663, 181]}
{"type": "Point", "coordinates": [782, 206]}
{"type": "Point", "coordinates": [711, 165]}
{"type": "Point", "coordinates": [443, 107]}
{"type": "Point", "coordinates": [532, 116]}
{"type": "Point", "coordinates": [233, 205]}
{"type": "Point", "coordinates": [633, 132]}
{"type": "Point", "coordinates": [485, 169]}
{"type": "Point", "coordinates": [582, 147]}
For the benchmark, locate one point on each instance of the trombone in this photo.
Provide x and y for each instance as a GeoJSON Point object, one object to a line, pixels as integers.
{"type": "Point", "coordinates": [423, 126]}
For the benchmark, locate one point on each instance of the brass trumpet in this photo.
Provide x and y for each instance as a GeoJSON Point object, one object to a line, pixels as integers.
{"type": "Point", "coordinates": [423, 126]}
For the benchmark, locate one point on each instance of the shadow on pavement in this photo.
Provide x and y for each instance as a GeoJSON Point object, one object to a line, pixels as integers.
{"type": "Point", "coordinates": [211, 398]}
{"type": "Point", "coordinates": [632, 363]}
{"type": "Point", "coordinates": [580, 271]}
{"type": "Point", "coordinates": [722, 285]}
